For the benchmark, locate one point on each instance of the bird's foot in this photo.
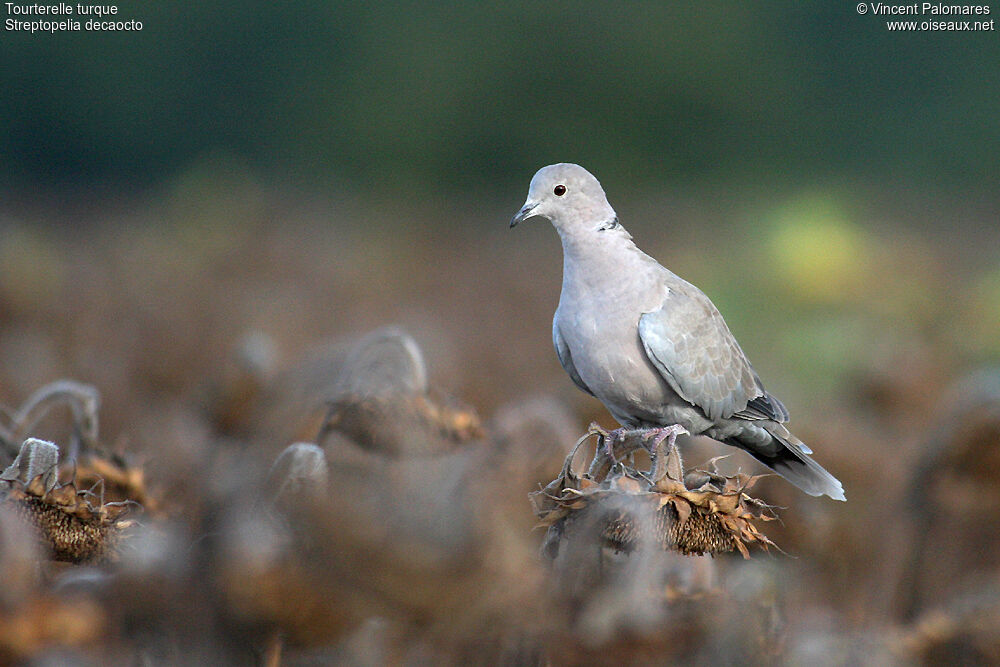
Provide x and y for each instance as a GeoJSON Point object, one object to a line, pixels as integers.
{"type": "Point", "coordinates": [628, 440]}
{"type": "Point", "coordinates": [670, 464]}
{"type": "Point", "coordinates": [611, 438]}
{"type": "Point", "coordinates": [654, 437]}
{"type": "Point", "coordinates": [606, 442]}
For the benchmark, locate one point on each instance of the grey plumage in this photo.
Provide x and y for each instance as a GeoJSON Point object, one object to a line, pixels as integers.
{"type": "Point", "coordinates": [651, 346]}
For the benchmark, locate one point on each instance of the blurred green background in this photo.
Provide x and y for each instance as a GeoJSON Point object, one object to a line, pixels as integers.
{"type": "Point", "coordinates": [446, 96]}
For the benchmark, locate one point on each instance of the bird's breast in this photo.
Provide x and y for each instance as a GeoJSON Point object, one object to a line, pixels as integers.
{"type": "Point", "coordinates": [604, 343]}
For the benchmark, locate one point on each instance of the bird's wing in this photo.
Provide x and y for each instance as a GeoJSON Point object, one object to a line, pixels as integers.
{"type": "Point", "coordinates": [565, 358]}
{"type": "Point", "coordinates": [689, 343]}
{"type": "Point", "coordinates": [765, 407]}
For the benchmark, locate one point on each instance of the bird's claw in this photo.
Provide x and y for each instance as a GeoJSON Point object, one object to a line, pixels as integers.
{"type": "Point", "coordinates": [658, 435]}
{"type": "Point", "coordinates": [659, 464]}
{"type": "Point", "coordinates": [651, 439]}
{"type": "Point", "coordinates": [610, 439]}
{"type": "Point", "coordinates": [606, 442]}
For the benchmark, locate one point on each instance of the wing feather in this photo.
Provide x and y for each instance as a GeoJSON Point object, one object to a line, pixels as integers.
{"type": "Point", "coordinates": [566, 359]}
{"type": "Point", "coordinates": [689, 343]}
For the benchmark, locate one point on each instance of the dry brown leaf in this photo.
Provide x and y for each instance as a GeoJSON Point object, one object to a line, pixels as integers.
{"type": "Point", "coordinates": [683, 509]}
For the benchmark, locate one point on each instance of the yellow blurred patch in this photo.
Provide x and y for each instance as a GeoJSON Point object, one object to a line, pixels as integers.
{"type": "Point", "coordinates": [981, 317]}
{"type": "Point", "coordinates": [818, 253]}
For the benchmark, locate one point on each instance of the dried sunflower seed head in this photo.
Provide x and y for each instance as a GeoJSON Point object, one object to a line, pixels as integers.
{"type": "Point", "coordinates": [620, 507]}
{"type": "Point", "coordinates": [68, 523]}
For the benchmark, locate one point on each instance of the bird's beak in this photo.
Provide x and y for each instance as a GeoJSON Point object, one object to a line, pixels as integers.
{"type": "Point", "coordinates": [523, 214]}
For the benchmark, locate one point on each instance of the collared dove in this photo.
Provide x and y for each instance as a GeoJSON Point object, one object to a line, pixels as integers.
{"type": "Point", "coordinates": [651, 346]}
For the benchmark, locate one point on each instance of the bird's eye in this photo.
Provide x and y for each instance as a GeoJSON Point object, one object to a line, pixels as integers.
{"type": "Point", "coordinates": [559, 190]}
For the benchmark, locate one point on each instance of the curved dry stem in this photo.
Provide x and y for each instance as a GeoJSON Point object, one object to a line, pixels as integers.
{"type": "Point", "coordinates": [83, 400]}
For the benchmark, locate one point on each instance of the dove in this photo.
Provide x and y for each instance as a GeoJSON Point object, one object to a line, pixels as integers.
{"type": "Point", "coordinates": [651, 346]}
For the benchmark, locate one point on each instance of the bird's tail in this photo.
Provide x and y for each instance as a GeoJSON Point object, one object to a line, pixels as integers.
{"type": "Point", "coordinates": [791, 460]}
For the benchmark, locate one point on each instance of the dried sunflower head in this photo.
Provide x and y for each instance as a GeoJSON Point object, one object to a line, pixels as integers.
{"type": "Point", "coordinates": [702, 512]}
{"type": "Point", "coordinates": [71, 525]}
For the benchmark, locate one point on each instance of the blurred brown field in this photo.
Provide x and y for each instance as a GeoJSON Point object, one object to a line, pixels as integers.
{"type": "Point", "coordinates": [208, 317]}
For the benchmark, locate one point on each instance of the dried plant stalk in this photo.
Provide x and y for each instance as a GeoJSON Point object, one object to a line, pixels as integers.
{"type": "Point", "coordinates": [83, 400]}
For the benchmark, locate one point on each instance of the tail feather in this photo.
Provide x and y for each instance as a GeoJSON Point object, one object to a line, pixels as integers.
{"type": "Point", "coordinates": [792, 462]}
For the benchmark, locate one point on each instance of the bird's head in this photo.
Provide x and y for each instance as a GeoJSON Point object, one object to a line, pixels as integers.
{"type": "Point", "coordinates": [567, 195]}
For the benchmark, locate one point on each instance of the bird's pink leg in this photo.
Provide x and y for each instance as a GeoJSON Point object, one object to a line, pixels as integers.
{"type": "Point", "coordinates": [659, 434]}
{"type": "Point", "coordinates": [608, 439]}
{"type": "Point", "coordinates": [611, 439]}
{"type": "Point", "coordinates": [661, 465]}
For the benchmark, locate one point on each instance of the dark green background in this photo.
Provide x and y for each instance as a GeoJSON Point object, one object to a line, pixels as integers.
{"type": "Point", "coordinates": [442, 96]}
